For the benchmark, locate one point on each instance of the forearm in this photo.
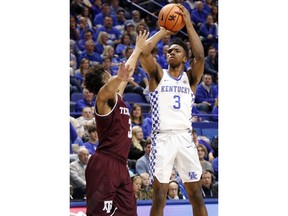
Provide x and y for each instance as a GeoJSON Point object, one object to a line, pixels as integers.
{"type": "Point", "coordinates": [111, 88]}
{"type": "Point", "coordinates": [151, 42]}
{"type": "Point", "coordinates": [132, 61]}
{"type": "Point", "coordinates": [195, 42]}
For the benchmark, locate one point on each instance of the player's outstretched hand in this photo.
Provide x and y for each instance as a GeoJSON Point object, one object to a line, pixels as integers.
{"type": "Point", "coordinates": [140, 40]}
{"type": "Point", "coordinates": [124, 71]}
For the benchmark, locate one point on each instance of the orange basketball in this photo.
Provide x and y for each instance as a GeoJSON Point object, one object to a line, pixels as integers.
{"type": "Point", "coordinates": [170, 20]}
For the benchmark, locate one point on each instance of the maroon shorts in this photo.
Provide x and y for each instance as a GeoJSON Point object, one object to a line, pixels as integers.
{"type": "Point", "coordinates": [109, 189]}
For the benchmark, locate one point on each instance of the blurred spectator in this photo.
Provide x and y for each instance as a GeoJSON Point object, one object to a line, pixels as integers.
{"type": "Point", "coordinates": [86, 12]}
{"type": "Point", "coordinates": [129, 29]}
{"type": "Point", "coordinates": [102, 42]}
{"type": "Point", "coordinates": [73, 136]}
{"type": "Point", "coordinates": [175, 177]}
{"type": "Point", "coordinates": [136, 115]}
{"type": "Point", "coordinates": [136, 149]}
{"type": "Point", "coordinates": [202, 153]}
{"type": "Point", "coordinates": [124, 43]}
{"type": "Point", "coordinates": [78, 142]}
{"type": "Point", "coordinates": [141, 27]}
{"type": "Point", "coordinates": [108, 66]}
{"type": "Point", "coordinates": [80, 73]}
{"type": "Point", "coordinates": [88, 35]}
{"type": "Point", "coordinates": [208, 4]}
{"type": "Point", "coordinates": [198, 140]}
{"type": "Point", "coordinates": [214, 146]}
{"type": "Point", "coordinates": [113, 33]}
{"type": "Point", "coordinates": [136, 18]}
{"type": "Point", "coordinates": [109, 52]}
{"type": "Point", "coordinates": [98, 20]}
{"type": "Point", "coordinates": [164, 41]}
{"type": "Point", "coordinates": [130, 170]}
{"type": "Point", "coordinates": [198, 15]}
{"type": "Point", "coordinates": [73, 61]}
{"type": "Point", "coordinates": [96, 9]}
{"type": "Point", "coordinates": [208, 181]}
{"type": "Point", "coordinates": [189, 5]}
{"type": "Point", "coordinates": [146, 191]}
{"type": "Point", "coordinates": [93, 141]}
{"type": "Point", "coordinates": [77, 174]}
{"type": "Point", "coordinates": [211, 64]}
{"type": "Point", "coordinates": [74, 33]}
{"type": "Point", "coordinates": [82, 26]}
{"type": "Point", "coordinates": [76, 7]}
{"type": "Point", "coordinates": [214, 13]}
{"type": "Point", "coordinates": [79, 128]}
{"type": "Point", "coordinates": [147, 125]}
{"type": "Point", "coordinates": [89, 53]}
{"type": "Point", "coordinates": [163, 58]}
{"type": "Point", "coordinates": [137, 183]}
{"type": "Point", "coordinates": [114, 7]}
{"type": "Point", "coordinates": [139, 82]}
{"type": "Point", "coordinates": [142, 164]}
{"type": "Point", "coordinates": [87, 100]}
{"type": "Point", "coordinates": [74, 48]}
{"type": "Point", "coordinates": [215, 111]}
{"type": "Point", "coordinates": [173, 192]}
{"type": "Point", "coordinates": [86, 120]}
{"type": "Point", "coordinates": [206, 94]}
{"type": "Point", "coordinates": [208, 33]}
{"type": "Point", "coordinates": [120, 20]}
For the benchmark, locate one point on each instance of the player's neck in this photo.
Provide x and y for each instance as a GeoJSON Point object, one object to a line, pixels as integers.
{"type": "Point", "coordinates": [175, 71]}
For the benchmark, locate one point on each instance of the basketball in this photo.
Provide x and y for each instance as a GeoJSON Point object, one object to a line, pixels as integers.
{"type": "Point", "coordinates": [170, 20]}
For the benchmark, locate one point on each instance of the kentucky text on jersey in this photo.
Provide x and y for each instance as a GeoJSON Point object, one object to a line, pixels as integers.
{"type": "Point", "coordinates": [124, 110]}
{"type": "Point", "coordinates": [180, 89]}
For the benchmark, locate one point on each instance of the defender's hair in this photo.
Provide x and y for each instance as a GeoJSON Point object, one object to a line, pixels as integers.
{"type": "Point", "coordinates": [93, 80]}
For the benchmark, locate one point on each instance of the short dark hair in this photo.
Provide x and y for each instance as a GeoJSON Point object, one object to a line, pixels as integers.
{"type": "Point", "coordinates": [148, 142]}
{"type": "Point", "coordinates": [93, 79]}
{"type": "Point", "coordinates": [91, 129]}
{"type": "Point", "coordinates": [180, 42]}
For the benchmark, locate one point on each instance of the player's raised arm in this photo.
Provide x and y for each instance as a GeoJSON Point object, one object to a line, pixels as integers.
{"type": "Point", "coordinates": [126, 69]}
{"type": "Point", "coordinates": [196, 45]}
{"type": "Point", "coordinates": [146, 58]}
{"type": "Point", "coordinates": [132, 60]}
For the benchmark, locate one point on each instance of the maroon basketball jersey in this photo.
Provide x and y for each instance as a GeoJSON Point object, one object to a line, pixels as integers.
{"type": "Point", "coordinates": [114, 130]}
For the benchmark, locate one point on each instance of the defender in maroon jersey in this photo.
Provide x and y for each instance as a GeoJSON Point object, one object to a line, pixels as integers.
{"type": "Point", "coordinates": [109, 188]}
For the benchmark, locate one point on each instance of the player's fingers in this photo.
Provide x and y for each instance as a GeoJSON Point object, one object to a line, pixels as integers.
{"type": "Point", "coordinates": [146, 35]}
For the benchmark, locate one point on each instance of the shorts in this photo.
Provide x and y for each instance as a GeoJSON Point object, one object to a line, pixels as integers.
{"type": "Point", "coordinates": [174, 148]}
{"type": "Point", "coordinates": [109, 189]}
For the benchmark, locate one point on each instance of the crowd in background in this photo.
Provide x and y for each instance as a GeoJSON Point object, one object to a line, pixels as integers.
{"type": "Point", "coordinates": [104, 32]}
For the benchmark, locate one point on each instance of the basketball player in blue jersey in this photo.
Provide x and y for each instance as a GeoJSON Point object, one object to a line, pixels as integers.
{"type": "Point", "coordinates": [172, 93]}
{"type": "Point", "coordinates": [109, 189]}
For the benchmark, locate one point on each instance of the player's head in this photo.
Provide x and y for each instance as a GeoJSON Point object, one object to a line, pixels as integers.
{"type": "Point", "coordinates": [181, 43]}
{"type": "Point", "coordinates": [177, 53]}
{"type": "Point", "coordinates": [95, 78]}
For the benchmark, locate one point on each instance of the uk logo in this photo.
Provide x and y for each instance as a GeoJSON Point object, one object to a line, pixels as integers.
{"type": "Point", "coordinates": [172, 17]}
{"type": "Point", "coordinates": [107, 206]}
{"type": "Point", "coordinates": [192, 175]}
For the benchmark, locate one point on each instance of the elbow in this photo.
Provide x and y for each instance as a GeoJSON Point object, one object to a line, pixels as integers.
{"type": "Point", "coordinates": [200, 57]}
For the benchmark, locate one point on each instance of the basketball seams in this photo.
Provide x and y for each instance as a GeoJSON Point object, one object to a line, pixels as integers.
{"type": "Point", "coordinates": [168, 16]}
{"type": "Point", "coordinates": [175, 22]}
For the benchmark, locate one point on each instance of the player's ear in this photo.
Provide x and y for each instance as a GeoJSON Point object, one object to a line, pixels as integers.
{"type": "Point", "coordinates": [184, 60]}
